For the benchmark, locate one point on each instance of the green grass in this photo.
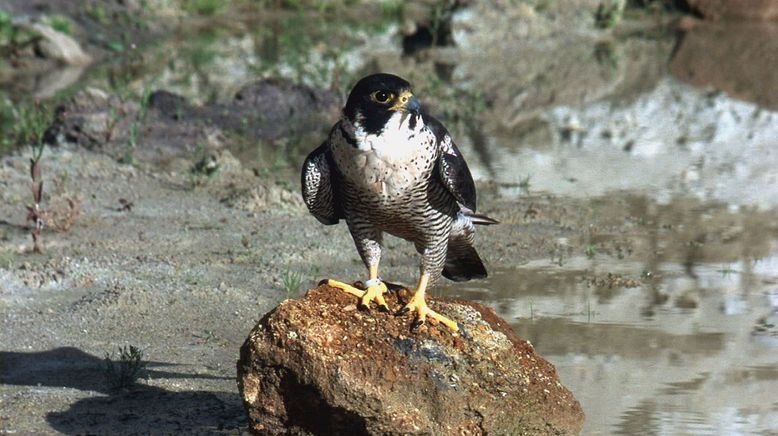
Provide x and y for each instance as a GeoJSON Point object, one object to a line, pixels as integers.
{"type": "Point", "coordinates": [140, 116]}
{"type": "Point", "coordinates": [7, 29]}
{"type": "Point", "coordinates": [24, 123]}
{"type": "Point", "coordinates": [292, 281]}
{"type": "Point", "coordinates": [123, 372]}
{"type": "Point", "coordinates": [609, 13]}
{"type": "Point", "coordinates": [590, 251]}
{"type": "Point", "coordinates": [7, 259]}
{"type": "Point", "coordinates": [203, 7]}
{"type": "Point", "coordinates": [96, 12]}
{"type": "Point", "coordinates": [524, 183]}
{"type": "Point", "coordinates": [59, 23]}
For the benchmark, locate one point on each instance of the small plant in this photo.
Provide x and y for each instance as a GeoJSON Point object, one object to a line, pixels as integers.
{"type": "Point", "coordinates": [609, 13]}
{"type": "Point", "coordinates": [123, 373]}
{"type": "Point", "coordinates": [59, 23]}
{"type": "Point", "coordinates": [6, 259]}
{"type": "Point", "coordinates": [208, 166]}
{"type": "Point", "coordinates": [204, 7]}
{"type": "Point", "coordinates": [524, 183]}
{"type": "Point", "coordinates": [132, 140]}
{"type": "Point", "coordinates": [590, 251]}
{"type": "Point", "coordinates": [7, 29]}
{"type": "Point", "coordinates": [31, 124]}
{"type": "Point", "coordinates": [96, 12]}
{"type": "Point", "coordinates": [291, 280]}
{"type": "Point", "coordinates": [590, 313]}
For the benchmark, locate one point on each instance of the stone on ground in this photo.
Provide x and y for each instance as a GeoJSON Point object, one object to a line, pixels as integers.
{"type": "Point", "coordinates": [319, 366]}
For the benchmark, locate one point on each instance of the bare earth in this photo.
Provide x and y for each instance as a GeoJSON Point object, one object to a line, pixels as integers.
{"type": "Point", "coordinates": [183, 274]}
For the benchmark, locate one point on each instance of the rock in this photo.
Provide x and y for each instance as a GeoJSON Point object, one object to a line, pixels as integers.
{"type": "Point", "coordinates": [737, 58]}
{"type": "Point", "coordinates": [751, 10]}
{"type": "Point", "coordinates": [274, 108]}
{"type": "Point", "coordinates": [310, 367]}
{"type": "Point", "coordinates": [170, 127]}
{"type": "Point", "coordinates": [58, 46]}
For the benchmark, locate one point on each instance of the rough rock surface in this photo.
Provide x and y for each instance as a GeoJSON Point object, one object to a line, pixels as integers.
{"type": "Point", "coordinates": [737, 58]}
{"type": "Point", "coordinates": [170, 127]}
{"type": "Point", "coordinates": [58, 46]}
{"type": "Point", "coordinates": [756, 10]}
{"type": "Point", "coordinates": [321, 366]}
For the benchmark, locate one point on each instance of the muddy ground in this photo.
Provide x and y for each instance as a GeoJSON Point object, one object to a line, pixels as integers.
{"type": "Point", "coordinates": [180, 274]}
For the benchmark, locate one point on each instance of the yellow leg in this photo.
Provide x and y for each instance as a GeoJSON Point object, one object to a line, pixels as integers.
{"type": "Point", "coordinates": [374, 292]}
{"type": "Point", "coordinates": [419, 305]}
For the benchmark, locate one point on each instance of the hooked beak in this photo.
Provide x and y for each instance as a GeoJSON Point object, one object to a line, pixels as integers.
{"type": "Point", "coordinates": [413, 105]}
{"type": "Point", "coordinates": [408, 104]}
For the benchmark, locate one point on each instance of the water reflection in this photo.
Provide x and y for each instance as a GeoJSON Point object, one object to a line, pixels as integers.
{"type": "Point", "coordinates": [665, 340]}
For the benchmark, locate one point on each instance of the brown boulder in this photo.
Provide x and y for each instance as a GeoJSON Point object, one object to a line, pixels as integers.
{"type": "Point", "coordinates": [751, 10]}
{"type": "Point", "coordinates": [319, 366]}
{"type": "Point", "coordinates": [737, 58]}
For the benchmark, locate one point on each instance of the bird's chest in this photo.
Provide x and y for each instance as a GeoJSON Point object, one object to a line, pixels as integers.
{"type": "Point", "coordinates": [387, 166]}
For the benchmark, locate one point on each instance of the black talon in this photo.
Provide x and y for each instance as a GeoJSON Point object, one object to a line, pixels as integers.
{"type": "Point", "coordinates": [402, 311]}
{"type": "Point", "coordinates": [383, 308]}
{"type": "Point", "coordinates": [363, 307]}
{"type": "Point", "coordinates": [323, 282]}
{"type": "Point", "coordinates": [463, 331]}
{"type": "Point", "coordinates": [416, 324]}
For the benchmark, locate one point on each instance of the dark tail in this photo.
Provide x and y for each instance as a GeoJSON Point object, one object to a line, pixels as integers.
{"type": "Point", "coordinates": [484, 220]}
{"type": "Point", "coordinates": [462, 261]}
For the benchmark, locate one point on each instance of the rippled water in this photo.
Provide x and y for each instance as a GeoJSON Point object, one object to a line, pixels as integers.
{"type": "Point", "coordinates": [670, 339]}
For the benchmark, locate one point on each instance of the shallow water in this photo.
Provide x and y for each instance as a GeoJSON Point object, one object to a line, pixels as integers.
{"type": "Point", "coordinates": [662, 343]}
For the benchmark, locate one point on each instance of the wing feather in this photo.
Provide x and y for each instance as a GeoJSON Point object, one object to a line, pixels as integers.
{"type": "Point", "coordinates": [319, 186]}
{"type": "Point", "coordinates": [452, 168]}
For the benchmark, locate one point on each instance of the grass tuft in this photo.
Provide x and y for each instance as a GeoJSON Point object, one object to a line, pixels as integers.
{"type": "Point", "coordinates": [292, 281]}
{"type": "Point", "coordinates": [123, 372]}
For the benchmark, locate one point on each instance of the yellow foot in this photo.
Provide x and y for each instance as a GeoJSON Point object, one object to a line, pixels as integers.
{"type": "Point", "coordinates": [373, 293]}
{"type": "Point", "coordinates": [423, 311]}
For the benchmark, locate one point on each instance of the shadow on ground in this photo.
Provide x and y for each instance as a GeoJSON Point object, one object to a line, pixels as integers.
{"type": "Point", "coordinates": [140, 410]}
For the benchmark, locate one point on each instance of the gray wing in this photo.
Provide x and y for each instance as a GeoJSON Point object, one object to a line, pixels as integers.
{"type": "Point", "coordinates": [319, 186]}
{"type": "Point", "coordinates": [451, 168]}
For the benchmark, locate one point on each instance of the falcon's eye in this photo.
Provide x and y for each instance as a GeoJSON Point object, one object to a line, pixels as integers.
{"type": "Point", "coordinates": [381, 96]}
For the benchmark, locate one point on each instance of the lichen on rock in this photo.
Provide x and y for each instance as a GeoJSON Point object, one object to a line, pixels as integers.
{"type": "Point", "coordinates": [320, 366]}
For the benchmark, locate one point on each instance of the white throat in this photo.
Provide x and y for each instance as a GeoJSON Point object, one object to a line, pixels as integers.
{"type": "Point", "coordinates": [395, 138]}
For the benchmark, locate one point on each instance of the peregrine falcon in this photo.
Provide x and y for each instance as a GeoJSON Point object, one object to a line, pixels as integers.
{"type": "Point", "coordinates": [387, 166]}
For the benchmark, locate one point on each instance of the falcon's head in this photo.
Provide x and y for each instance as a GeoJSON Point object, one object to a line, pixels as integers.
{"type": "Point", "coordinates": [377, 98]}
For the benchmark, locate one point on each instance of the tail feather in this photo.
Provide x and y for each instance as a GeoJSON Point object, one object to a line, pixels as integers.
{"type": "Point", "coordinates": [477, 218]}
{"type": "Point", "coordinates": [463, 262]}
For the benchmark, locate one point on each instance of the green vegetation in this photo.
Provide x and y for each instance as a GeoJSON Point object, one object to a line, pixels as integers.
{"type": "Point", "coordinates": [140, 116]}
{"type": "Point", "coordinates": [96, 11]}
{"type": "Point", "coordinates": [454, 104]}
{"type": "Point", "coordinates": [123, 373]}
{"type": "Point", "coordinates": [58, 23]}
{"type": "Point", "coordinates": [524, 183]}
{"type": "Point", "coordinates": [292, 281]}
{"type": "Point", "coordinates": [203, 7]}
{"type": "Point", "coordinates": [7, 258]}
{"type": "Point", "coordinates": [11, 37]}
{"type": "Point", "coordinates": [7, 29]}
{"type": "Point", "coordinates": [609, 13]}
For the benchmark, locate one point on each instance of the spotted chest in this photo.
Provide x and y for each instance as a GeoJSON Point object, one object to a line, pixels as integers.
{"type": "Point", "coordinates": [385, 167]}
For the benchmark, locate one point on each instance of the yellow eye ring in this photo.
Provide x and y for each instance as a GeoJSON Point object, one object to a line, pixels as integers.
{"type": "Point", "coordinates": [382, 97]}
